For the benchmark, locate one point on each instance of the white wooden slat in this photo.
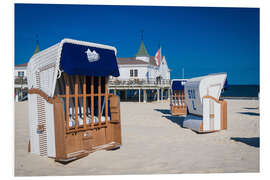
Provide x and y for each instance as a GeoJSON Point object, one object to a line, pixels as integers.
{"type": "Point", "coordinates": [206, 113]}
{"type": "Point", "coordinates": [217, 111]}
{"type": "Point", "coordinates": [33, 136]}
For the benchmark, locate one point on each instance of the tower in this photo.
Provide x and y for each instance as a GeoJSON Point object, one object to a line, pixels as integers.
{"type": "Point", "coordinates": [142, 53]}
{"type": "Point", "coordinates": [37, 46]}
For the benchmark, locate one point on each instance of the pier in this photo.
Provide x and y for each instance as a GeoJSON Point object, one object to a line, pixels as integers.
{"type": "Point", "coordinates": [143, 90]}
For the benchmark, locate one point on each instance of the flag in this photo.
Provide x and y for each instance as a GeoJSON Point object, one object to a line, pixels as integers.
{"type": "Point", "coordinates": [158, 57]}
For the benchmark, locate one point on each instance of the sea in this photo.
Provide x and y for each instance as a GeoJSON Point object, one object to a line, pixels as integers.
{"type": "Point", "coordinates": [232, 92]}
{"type": "Point", "coordinates": [241, 92]}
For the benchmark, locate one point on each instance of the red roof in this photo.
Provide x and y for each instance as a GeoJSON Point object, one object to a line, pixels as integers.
{"type": "Point", "coordinates": [132, 60]}
{"type": "Point", "coordinates": [21, 65]}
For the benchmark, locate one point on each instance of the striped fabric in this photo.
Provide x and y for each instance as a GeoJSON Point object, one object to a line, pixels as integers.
{"type": "Point", "coordinates": [41, 120]}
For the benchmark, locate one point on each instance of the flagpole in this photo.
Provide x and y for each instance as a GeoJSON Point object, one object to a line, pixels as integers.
{"type": "Point", "coordinates": [160, 52]}
{"type": "Point", "coordinates": [183, 73]}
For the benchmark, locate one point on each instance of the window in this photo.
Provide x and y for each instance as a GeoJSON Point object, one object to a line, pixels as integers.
{"type": "Point", "coordinates": [136, 73]}
{"type": "Point", "coordinates": [20, 73]}
{"type": "Point", "coordinates": [131, 73]}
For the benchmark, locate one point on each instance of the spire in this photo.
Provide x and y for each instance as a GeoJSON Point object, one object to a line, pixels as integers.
{"type": "Point", "coordinates": [142, 52]}
{"type": "Point", "coordinates": [37, 46]}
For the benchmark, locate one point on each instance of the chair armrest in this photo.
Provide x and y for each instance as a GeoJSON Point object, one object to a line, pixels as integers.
{"type": "Point", "coordinates": [211, 97]}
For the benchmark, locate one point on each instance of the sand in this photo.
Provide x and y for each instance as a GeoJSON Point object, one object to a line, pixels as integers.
{"type": "Point", "coordinates": [155, 143]}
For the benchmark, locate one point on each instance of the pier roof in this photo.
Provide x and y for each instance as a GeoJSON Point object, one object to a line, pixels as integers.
{"type": "Point", "coordinates": [133, 60]}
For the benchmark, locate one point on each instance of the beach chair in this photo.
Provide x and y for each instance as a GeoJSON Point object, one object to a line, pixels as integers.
{"type": "Point", "coordinates": [177, 98]}
{"type": "Point", "coordinates": [71, 112]}
{"type": "Point", "coordinates": [206, 112]}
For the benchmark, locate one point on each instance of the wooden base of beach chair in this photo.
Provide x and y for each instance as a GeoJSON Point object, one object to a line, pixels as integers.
{"type": "Point", "coordinates": [83, 153]}
{"type": "Point", "coordinates": [178, 110]}
{"type": "Point", "coordinates": [77, 145]}
{"type": "Point", "coordinates": [74, 145]}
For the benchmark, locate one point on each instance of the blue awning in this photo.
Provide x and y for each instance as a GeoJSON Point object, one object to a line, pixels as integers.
{"type": "Point", "coordinates": [226, 85]}
{"type": "Point", "coordinates": [178, 84]}
{"type": "Point", "coordinates": [86, 60]}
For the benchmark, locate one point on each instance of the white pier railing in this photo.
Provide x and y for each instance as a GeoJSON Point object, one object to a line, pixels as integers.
{"type": "Point", "coordinates": [156, 87]}
{"type": "Point", "coordinates": [139, 83]}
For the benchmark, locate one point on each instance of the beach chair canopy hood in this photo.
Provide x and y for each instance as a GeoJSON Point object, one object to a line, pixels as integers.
{"type": "Point", "coordinates": [88, 59]}
{"type": "Point", "coordinates": [226, 85]}
{"type": "Point", "coordinates": [178, 84]}
{"type": "Point", "coordinates": [197, 88]}
{"type": "Point", "coordinates": [72, 57]}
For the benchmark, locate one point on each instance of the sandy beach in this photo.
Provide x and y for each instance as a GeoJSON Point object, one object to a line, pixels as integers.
{"type": "Point", "coordinates": [155, 143]}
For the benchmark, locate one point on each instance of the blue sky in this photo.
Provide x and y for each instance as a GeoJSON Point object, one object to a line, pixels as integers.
{"type": "Point", "coordinates": [200, 40]}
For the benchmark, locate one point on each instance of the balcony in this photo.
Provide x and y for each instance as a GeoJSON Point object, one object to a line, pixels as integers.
{"type": "Point", "coordinates": [20, 80]}
{"type": "Point", "coordinates": [139, 83]}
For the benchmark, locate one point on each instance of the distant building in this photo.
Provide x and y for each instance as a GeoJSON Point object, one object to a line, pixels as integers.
{"type": "Point", "coordinates": [142, 74]}
{"type": "Point", "coordinates": [20, 70]}
{"type": "Point", "coordinates": [20, 79]}
{"type": "Point", "coordinates": [143, 67]}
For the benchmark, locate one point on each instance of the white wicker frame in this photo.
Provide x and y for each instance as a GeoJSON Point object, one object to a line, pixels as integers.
{"type": "Point", "coordinates": [204, 109]}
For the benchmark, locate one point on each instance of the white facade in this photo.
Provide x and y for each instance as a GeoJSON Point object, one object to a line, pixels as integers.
{"type": "Point", "coordinates": [124, 71]}
{"type": "Point", "coordinates": [20, 71]}
{"type": "Point", "coordinates": [144, 72]}
{"type": "Point", "coordinates": [164, 69]}
{"type": "Point", "coordinates": [20, 76]}
{"type": "Point", "coordinates": [143, 67]}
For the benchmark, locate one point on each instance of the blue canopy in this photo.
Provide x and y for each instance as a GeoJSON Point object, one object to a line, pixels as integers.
{"type": "Point", "coordinates": [86, 60]}
{"type": "Point", "coordinates": [226, 85]}
{"type": "Point", "coordinates": [178, 84]}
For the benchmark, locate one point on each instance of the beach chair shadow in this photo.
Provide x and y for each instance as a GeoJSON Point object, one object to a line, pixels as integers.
{"type": "Point", "coordinates": [248, 108]}
{"type": "Point", "coordinates": [176, 119]}
{"type": "Point", "coordinates": [250, 113]}
{"type": "Point", "coordinates": [254, 141]}
{"type": "Point", "coordinates": [163, 111]}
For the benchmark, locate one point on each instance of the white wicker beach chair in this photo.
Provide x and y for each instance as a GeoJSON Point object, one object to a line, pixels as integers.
{"type": "Point", "coordinates": [177, 98]}
{"type": "Point", "coordinates": [67, 117]}
{"type": "Point", "coordinates": [206, 112]}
